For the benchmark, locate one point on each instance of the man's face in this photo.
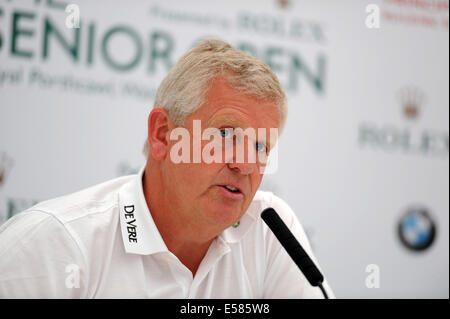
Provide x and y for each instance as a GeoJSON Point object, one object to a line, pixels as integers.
{"type": "Point", "coordinates": [199, 188]}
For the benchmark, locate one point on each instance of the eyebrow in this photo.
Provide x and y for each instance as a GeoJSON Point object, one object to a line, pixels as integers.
{"type": "Point", "coordinates": [226, 122]}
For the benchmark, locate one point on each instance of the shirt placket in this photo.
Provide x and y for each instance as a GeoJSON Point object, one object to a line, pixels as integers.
{"type": "Point", "coordinates": [218, 249]}
{"type": "Point", "coordinates": [181, 274]}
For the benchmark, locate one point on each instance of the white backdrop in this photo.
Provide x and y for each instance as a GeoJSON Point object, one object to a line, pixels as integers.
{"type": "Point", "coordinates": [366, 137]}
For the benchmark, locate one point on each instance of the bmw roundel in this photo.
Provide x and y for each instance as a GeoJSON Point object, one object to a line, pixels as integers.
{"type": "Point", "coordinates": [416, 229]}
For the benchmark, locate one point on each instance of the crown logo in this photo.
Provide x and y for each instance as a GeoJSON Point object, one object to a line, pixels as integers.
{"type": "Point", "coordinates": [411, 99]}
{"type": "Point", "coordinates": [283, 3]}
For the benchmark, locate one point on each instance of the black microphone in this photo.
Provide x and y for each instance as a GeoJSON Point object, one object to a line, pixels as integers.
{"type": "Point", "coordinates": [293, 248]}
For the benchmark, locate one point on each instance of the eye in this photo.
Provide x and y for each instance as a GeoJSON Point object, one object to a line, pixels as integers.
{"type": "Point", "coordinates": [260, 147]}
{"type": "Point", "coordinates": [225, 132]}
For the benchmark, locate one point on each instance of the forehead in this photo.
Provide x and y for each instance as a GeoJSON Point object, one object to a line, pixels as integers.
{"type": "Point", "coordinates": [227, 106]}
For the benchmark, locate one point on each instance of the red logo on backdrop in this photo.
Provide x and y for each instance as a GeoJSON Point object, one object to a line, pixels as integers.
{"type": "Point", "coordinates": [420, 13]}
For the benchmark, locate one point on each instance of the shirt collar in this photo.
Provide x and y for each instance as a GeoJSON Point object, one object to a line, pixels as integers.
{"type": "Point", "coordinates": [139, 232]}
{"type": "Point", "coordinates": [236, 232]}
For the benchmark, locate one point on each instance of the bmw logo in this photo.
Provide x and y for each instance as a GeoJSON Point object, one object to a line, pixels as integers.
{"type": "Point", "coordinates": [417, 229]}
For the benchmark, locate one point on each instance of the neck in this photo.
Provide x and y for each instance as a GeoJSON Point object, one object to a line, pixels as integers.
{"type": "Point", "coordinates": [181, 237]}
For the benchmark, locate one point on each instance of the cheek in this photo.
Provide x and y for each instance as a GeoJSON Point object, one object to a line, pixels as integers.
{"type": "Point", "coordinates": [256, 181]}
{"type": "Point", "coordinates": [192, 179]}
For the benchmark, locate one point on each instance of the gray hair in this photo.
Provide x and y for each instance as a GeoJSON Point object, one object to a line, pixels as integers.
{"type": "Point", "coordinates": [184, 88]}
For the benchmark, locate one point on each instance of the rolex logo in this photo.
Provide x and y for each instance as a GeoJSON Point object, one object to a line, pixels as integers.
{"type": "Point", "coordinates": [411, 99]}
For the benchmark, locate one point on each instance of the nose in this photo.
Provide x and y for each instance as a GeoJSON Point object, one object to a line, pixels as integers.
{"type": "Point", "coordinates": [241, 164]}
{"type": "Point", "coordinates": [240, 157]}
{"type": "Point", "coordinates": [242, 168]}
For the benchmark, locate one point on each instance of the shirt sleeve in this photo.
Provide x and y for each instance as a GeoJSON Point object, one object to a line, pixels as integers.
{"type": "Point", "coordinates": [39, 258]}
{"type": "Point", "coordinates": [283, 278]}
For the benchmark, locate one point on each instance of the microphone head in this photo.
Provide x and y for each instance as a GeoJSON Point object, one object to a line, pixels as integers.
{"type": "Point", "coordinates": [269, 215]}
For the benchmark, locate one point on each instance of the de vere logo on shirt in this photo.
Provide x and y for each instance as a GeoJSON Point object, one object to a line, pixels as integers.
{"type": "Point", "coordinates": [131, 223]}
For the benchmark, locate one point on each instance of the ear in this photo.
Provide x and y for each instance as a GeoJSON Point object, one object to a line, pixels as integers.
{"type": "Point", "coordinates": [159, 125]}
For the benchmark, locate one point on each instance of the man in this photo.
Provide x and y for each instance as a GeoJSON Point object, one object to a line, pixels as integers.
{"type": "Point", "coordinates": [183, 227]}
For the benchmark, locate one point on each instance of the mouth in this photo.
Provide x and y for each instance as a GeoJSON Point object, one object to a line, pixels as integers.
{"type": "Point", "coordinates": [232, 188]}
{"type": "Point", "coordinates": [231, 192]}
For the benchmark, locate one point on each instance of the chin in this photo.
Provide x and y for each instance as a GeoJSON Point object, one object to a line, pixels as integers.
{"type": "Point", "coordinates": [223, 214]}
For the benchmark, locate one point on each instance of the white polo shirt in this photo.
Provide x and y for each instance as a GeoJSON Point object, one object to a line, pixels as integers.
{"type": "Point", "coordinates": [102, 242]}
